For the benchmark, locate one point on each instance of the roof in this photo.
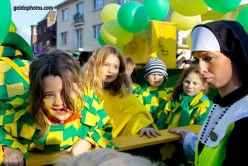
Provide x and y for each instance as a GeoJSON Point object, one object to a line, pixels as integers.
{"type": "Point", "coordinates": [64, 3]}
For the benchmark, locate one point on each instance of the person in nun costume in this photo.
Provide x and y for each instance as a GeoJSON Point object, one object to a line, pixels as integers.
{"type": "Point", "coordinates": [221, 50]}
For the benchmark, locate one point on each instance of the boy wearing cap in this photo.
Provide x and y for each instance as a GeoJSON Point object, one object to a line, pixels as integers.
{"type": "Point", "coordinates": [154, 95]}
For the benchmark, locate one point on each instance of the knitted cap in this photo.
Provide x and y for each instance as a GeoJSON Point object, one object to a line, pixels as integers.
{"type": "Point", "coordinates": [155, 66]}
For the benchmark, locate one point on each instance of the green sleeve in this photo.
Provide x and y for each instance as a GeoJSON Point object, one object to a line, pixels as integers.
{"type": "Point", "coordinates": [96, 119]}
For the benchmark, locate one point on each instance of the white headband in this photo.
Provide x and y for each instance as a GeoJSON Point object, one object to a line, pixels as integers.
{"type": "Point", "coordinates": [204, 40]}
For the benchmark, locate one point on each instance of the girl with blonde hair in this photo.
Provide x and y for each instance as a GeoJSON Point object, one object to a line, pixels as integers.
{"type": "Point", "coordinates": [105, 72]}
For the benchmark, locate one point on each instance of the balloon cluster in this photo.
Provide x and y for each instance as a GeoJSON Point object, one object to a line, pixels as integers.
{"type": "Point", "coordinates": [121, 22]}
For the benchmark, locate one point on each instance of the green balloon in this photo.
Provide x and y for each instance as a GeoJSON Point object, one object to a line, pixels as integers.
{"type": "Point", "coordinates": [5, 12]}
{"type": "Point", "coordinates": [133, 17]}
{"type": "Point", "coordinates": [242, 18]}
{"type": "Point", "coordinates": [16, 41]}
{"type": "Point", "coordinates": [100, 39]}
{"type": "Point", "coordinates": [157, 9]}
{"type": "Point", "coordinates": [223, 6]}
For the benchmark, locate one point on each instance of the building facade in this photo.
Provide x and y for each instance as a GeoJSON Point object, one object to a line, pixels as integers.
{"type": "Point", "coordinates": [79, 22]}
{"type": "Point", "coordinates": [34, 38]}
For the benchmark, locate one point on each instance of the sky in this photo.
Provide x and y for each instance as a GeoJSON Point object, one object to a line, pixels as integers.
{"type": "Point", "coordinates": [24, 19]}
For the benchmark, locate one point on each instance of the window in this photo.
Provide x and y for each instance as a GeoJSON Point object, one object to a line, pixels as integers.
{"type": "Point", "coordinates": [121, 1]}
{"type": "Point", "coordinates": [44, 28]}
{"type": "Point", "coordinates": [64, 14]}
{"type": "Point", "coordinates": [96, 29]}
{"type": "Point", "coordinates": [79, 38]}
{"type": "Point", "coordinates": [35, 48]}
{"type": "Point", "coordinates": [39, 30]}
{"type": "Point", "coordinates": [78, 17]}
{"type": "Point", "coordinates": [98, 4]}
{"type": "Point", "coordinates": [63, 38]}
{"type": "Point", "coordinates": [80, 8]}
{"type": "Point", "coordinates": [184, 40]}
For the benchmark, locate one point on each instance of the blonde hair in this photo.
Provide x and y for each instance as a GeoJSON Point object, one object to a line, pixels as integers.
{"type": "Point", "coordinates": [92, 73]}
{"type": "Point", "coordinates": [104, 157]}
{"type": "Point", "coordinates": [130, 65]}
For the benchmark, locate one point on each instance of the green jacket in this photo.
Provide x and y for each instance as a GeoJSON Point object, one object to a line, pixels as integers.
{"type": "Point", "coordinates": [18, 128]}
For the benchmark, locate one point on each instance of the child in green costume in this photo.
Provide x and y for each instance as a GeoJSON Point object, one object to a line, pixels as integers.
{"type": "Point", "coordinates": [59, 114]}
{"type": "Point", "coordinates": [154, 95]}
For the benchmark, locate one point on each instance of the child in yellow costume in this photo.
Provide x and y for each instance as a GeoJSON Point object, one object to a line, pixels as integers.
{"type": "Point", "coordinates": [59, 115]}
{"type": "Point", "coordinates": [105, 72]}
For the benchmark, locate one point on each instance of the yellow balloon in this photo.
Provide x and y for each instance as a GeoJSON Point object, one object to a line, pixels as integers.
{"type": "Point", "coordinates": [184, 22]}
{"type": "Point", "coordinates": [113, 34]}
{"type": "Point", "coordinates": [189, 7]}
{"type": "Point", "coordinates": [109, 12]}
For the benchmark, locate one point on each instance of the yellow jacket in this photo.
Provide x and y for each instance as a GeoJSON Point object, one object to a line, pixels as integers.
{"type": "Point", "coordinates": [128, 115]}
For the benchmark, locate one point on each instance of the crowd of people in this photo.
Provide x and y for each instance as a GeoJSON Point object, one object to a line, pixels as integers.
{"type": "Point", "coordinates": [74, 102]}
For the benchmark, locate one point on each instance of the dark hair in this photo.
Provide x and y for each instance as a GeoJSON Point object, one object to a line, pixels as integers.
{"type": "Point", "coordinates": [84, 56]}
{"type": "Point", "coordinates": [179, 87]}
{"type": "Point", "coordinates": [56, 63]}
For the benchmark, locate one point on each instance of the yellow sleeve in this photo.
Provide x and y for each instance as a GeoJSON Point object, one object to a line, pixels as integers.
{"type": "Point", "coordinates": [128, 114]}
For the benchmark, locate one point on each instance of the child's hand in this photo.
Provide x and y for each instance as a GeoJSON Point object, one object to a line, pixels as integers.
{"type": "Point", "coordinates": [13, 157]}
{"type": "Point", "coordinates": [148, 131]}
{"type": "Point", "coordinates": [80, 147]}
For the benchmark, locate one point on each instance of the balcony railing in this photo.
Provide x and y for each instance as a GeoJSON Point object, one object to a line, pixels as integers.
{"type": "Point", "coordinates": [78, 19]}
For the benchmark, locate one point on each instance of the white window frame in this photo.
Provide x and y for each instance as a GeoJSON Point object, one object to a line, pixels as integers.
{"type": "Point", "coordinates": [78, 38]}
{"type": "Point", "coordinates": [80, 8]}
{"type": "Point", "coordinates": [64, 38]}
{"type": "Point", "coordinates": [65, 14]}
{"type": "Point", "coordinates": [96, 30]}
{"type": "Point", "coordinates": [98, 4]}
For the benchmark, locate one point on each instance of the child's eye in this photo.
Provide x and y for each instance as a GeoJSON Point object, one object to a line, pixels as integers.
{"type": "Point", "coordinates": [48, 95]}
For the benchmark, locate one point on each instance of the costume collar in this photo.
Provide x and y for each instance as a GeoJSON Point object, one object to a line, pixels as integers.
{"type": "Point", "coordinates": [231, 97]}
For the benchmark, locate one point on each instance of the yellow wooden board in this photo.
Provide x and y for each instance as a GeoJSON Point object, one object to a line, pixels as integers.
{"type": "Point", "coordinates": [123, 142]}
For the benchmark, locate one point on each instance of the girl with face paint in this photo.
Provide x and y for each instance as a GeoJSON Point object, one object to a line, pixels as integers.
{"type": "Point", "coordinates": [189, 104]}
{"type": "Point", "coordinates": [57, 114]}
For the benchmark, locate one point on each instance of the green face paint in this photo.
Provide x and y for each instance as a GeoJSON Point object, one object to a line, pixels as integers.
{"type": "Point", "coordinates": [192, 84]}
